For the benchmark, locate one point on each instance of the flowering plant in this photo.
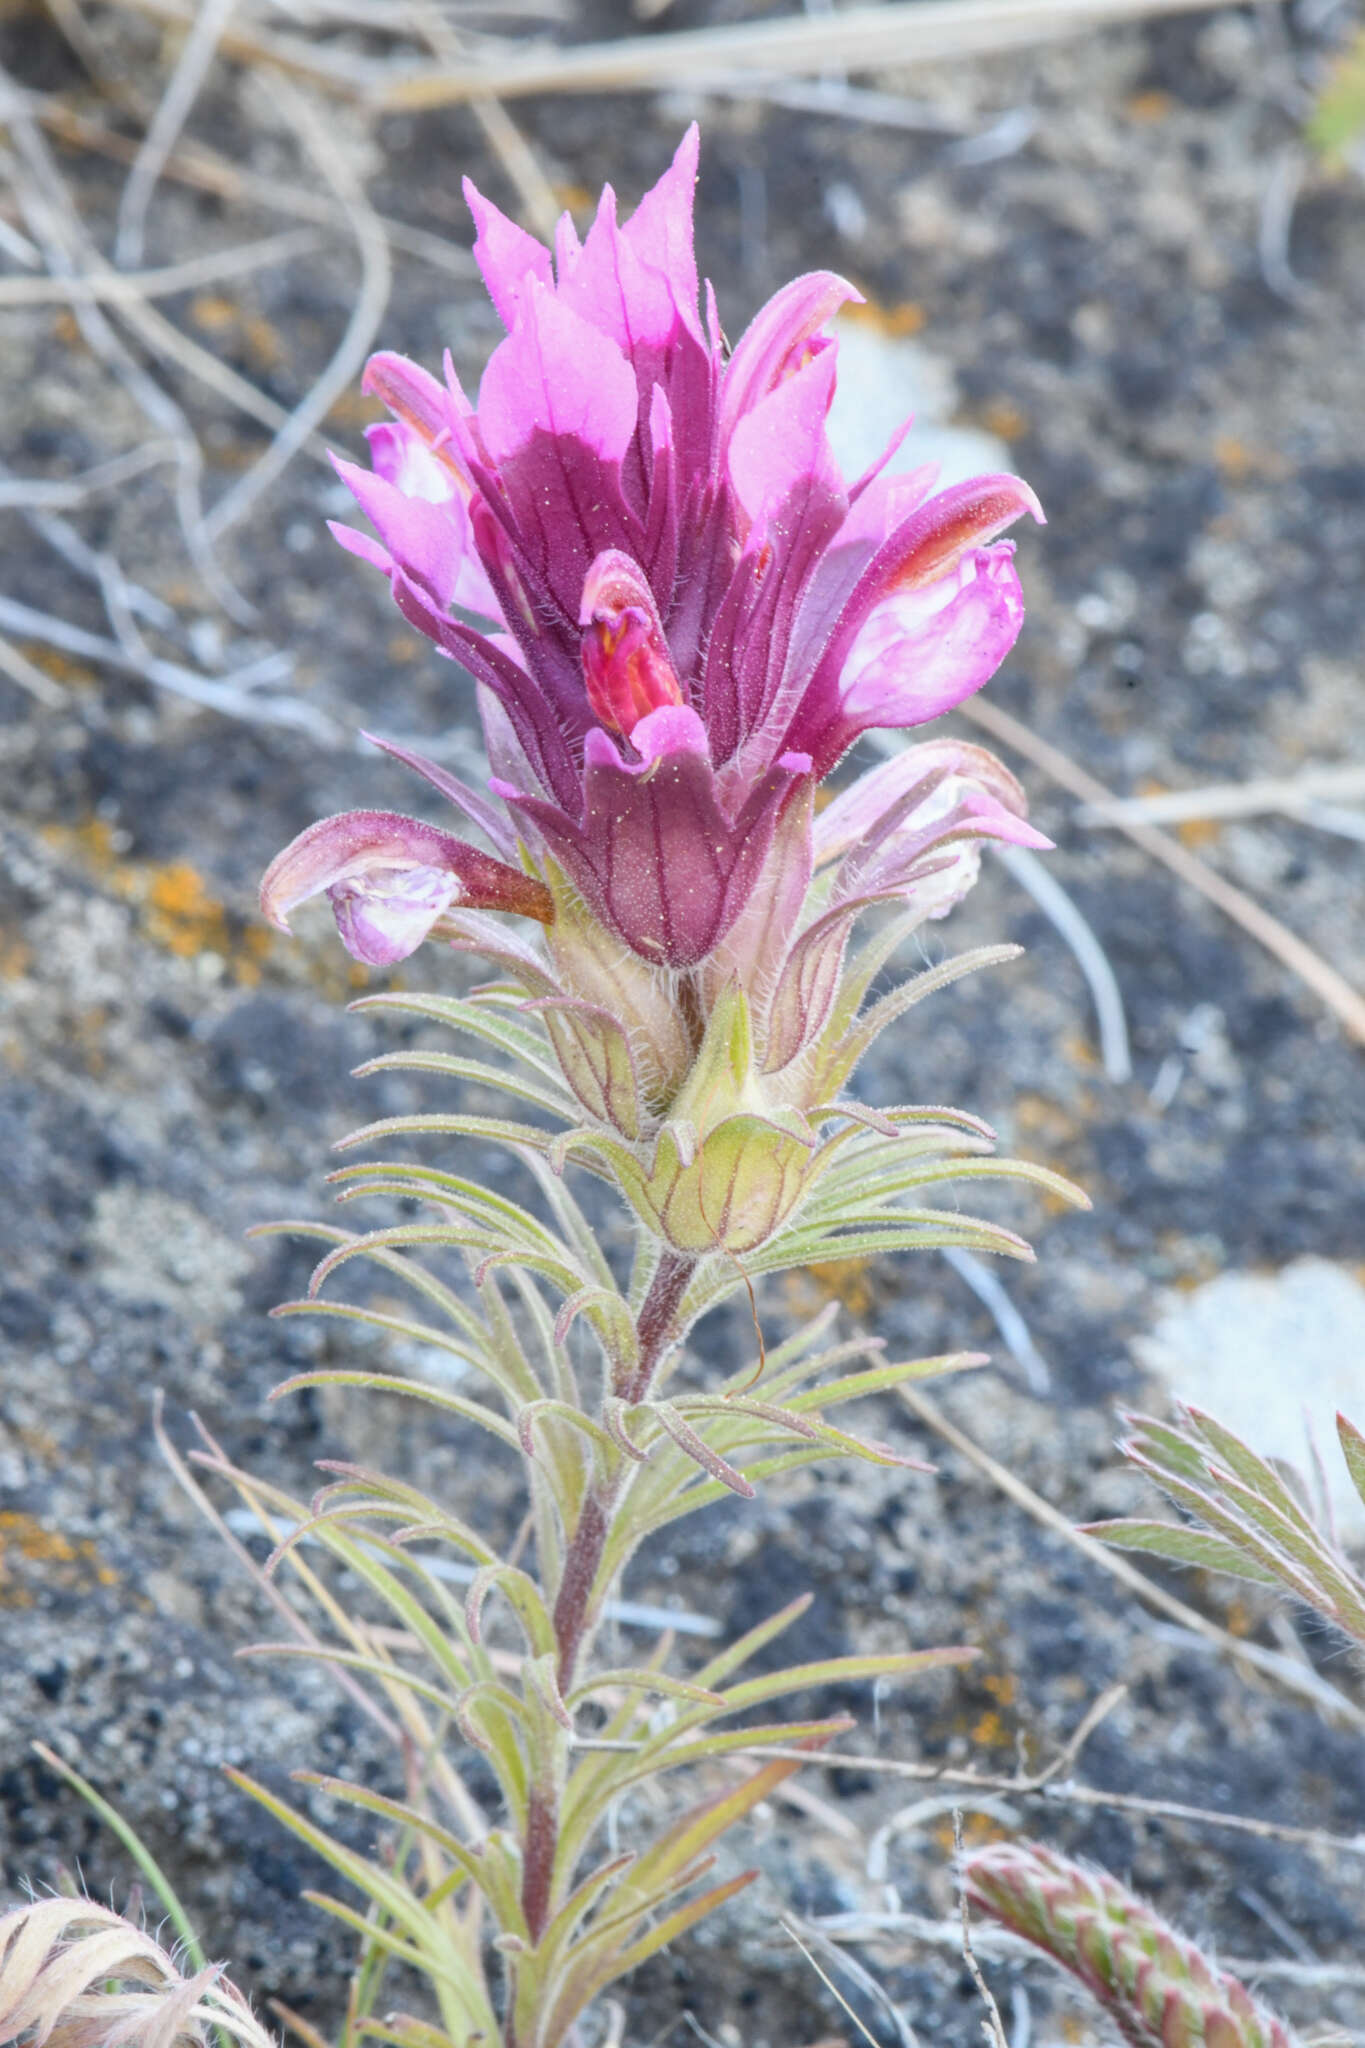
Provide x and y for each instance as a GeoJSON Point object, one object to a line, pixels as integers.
{"type": "Point", "coordinates": [679, 617]}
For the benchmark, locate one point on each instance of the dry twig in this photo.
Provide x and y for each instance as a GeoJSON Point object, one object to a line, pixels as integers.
{"type": "Point", "coordinates": [1345, 1002]}
{"type": "Point", "coordinates": [376, 273]}
{"type": "Point", "coordinates": [1294, 1677]}
{"type": "Point", "coordinates": [182, 90]}
{"type": "Point", "coordinates": [159, 283]}
{"type": "Point", "coordinates": [874, 38]}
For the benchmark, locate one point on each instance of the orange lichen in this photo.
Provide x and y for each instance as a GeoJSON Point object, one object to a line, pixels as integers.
{"type": "Point", "coordinates": [1002, 417]}
{"type": "Point", "coordinates": [897, 322]}
{"type": "Point", "coordinates": [29, 1549]}
{"type": "Point", "coordinates": [1149, 106]}
{"type": "Point", "coordinates": [846, 1280]}
{"type": "Point", "coordinates": [1197, 832]}
{"type": "Point", "coordinates": [356, 409]}
{"type": "Point", "coordinates": [174, 906]}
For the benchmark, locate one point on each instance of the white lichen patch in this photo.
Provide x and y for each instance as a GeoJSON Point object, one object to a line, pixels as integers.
{"type": "Point", "coordinates": [150, 1247]}
{"type": "Point", "coordinates": [1274, 1356]}
{"type": "Point", "coordinates": [883, 380]}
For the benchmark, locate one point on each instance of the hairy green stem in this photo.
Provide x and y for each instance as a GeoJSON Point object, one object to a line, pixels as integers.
{"type": "Point", "coordinates": [573, 1611]}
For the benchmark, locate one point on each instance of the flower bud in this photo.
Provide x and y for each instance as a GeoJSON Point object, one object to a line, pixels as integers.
{"type": "Point", "coordinates": [627, 667]}
{"type": "Point", "coordinates": [390, 878]}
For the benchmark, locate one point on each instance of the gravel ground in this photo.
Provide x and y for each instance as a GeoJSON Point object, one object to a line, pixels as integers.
{"type": "Point", "coordinates": [170, 1073]}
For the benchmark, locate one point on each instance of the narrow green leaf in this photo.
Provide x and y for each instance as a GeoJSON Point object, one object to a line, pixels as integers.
{"type": "Point", "coordinates": [1353, 1450]}
{"type": "Point", "coordinates": [1167, 1449]}
{"type": "Point", "coordinates": [662, 1753]}
{"type": "Point", "coordinates": [881, 1378]}
{"type": "Point", "coordinates": [522, 1595]}
{"type": "Point", "coordinates": [674, 1924]}
{"type": "Point", "coordinates": [752, 1641]}
{"type": "Point", "coordinates": [400, 1814]}
{"type": "Point", "coordinates": [136, 1848]}
{"type": "Point", "coordinates": [1255, 1473]}
{"type": "Point", "coordinates": [415, 1390]}
{"type": "Point", "coordinates": [692, 1835]}
{"type": "Point", "coordinates": [352, 1660]}
{"type": "Point", "coordinates": [387, 1892]}
{"type": "Point", "coordinates": [842, 1671]}
{"type": "Point", "coordinates": [705, 1491]}
{"type": "Point", "coordinates": [446, 1967]}
{"type": "Point", "coordinates": [643, 1681]}
{"type": "Point", "coordinates": [1181, 1545]}
{"type": "Point", "coordinates": [396, 1326]}
{"type": "Point", "coordinates": [488, 1129]}
{"type": "Point", "coordinates": [556, 1102]}
{"type": "Point", "coordinates": [928, 1172]}
{"type": "Point", "coordinates": [917, 1230]}
{"type": "Point", "coordinates": [483, 1019]}
{"type": "Point", "coordinates": [869, 1027]}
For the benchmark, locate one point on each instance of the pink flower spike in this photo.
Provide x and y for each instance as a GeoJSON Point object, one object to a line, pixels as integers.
{"type": "Point", "coordinates": [411, 393]}
{"type": "Point", "coordinates": [965, 516]}
{"type": "Point", "coordinates": [389, 878]}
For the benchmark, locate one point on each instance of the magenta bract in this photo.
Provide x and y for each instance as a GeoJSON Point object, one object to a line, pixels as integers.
{"type": "Point", "coordinates": [688, 612]}
{"type": "Point", "coordinates": [389, 879]}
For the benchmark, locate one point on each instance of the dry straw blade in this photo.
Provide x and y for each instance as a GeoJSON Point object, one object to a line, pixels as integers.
{"type": "Point", "coordinates": [796, 45]}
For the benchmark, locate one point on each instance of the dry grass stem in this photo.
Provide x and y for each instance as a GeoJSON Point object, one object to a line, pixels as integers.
{"type": "Point", "coordinates": [1061, 912]}
{"type": "Point", "coordinates": [40, 686]}
{"type": "Point", "coordinates": [232, 695]}
{"type": "Point", "coordinates": [993, 2027]}
{"type": "Point", "coordinates": [1345, 1002]}
{"type": "Point", "coordinates": [206, 171]}
{"type": "Point", "coordinates": [57, 229]}
{"type": "Point", "coordinates": [1296, 794]}
{"type": "Point", "coordinates": [376, 276]}
{"type": "Point", "coordinates": [894, 36]}
{"type": "Point", "coordinates": [160, 283]}
{"type": "Point", "coordinates": [1296, 1678]}
{"type": "Point", "coordinates": [60, 494]}
{"type": "Point", "coordinates": [182, 90]}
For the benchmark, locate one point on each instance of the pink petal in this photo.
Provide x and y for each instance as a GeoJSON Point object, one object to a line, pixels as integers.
{"type": "Point", "coordinates": [660, 229]}
{"type": "Point", "coordinates": [506, 255]}
{"type": "Point", "coordinates": [627, 667]}
{"type": "Point", "coordinates": [410, 392]}
{"type": "Point", "coordinates": [609, 285]}
{"type": "Point", "coordinates": [476, 807]}
{"type": "Point", "coordinates": [934, 540]}
{"type": "Point", "coordinates": [782, 440]}
{"type": "Point", "coordinates": [775, 342]}
{"type": "Point", "coordinates": [939, 767]}
{"type": "Point", "coordinates": [555, 374]}
{"type": "Point", "coordinates": [385, 917]}
{"type": "Point", "coordinates": [911, 830]}
{"type": "Point", "coordinates": [655, 855]}
{"type": "Point", "coordinates": [389, 878]}
{"type": "Point", "coordinates": [400, 455]}
{"type": "Point", "coordinates": [925, 649]}
{"type": "Point", "coordinates": [428, 540]}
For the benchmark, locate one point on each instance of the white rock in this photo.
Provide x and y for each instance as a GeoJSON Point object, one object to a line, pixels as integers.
{"type": "Point", "coordinates": [884, 378]}
{"type": "Point", "coordinates": [1273, 1356]}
